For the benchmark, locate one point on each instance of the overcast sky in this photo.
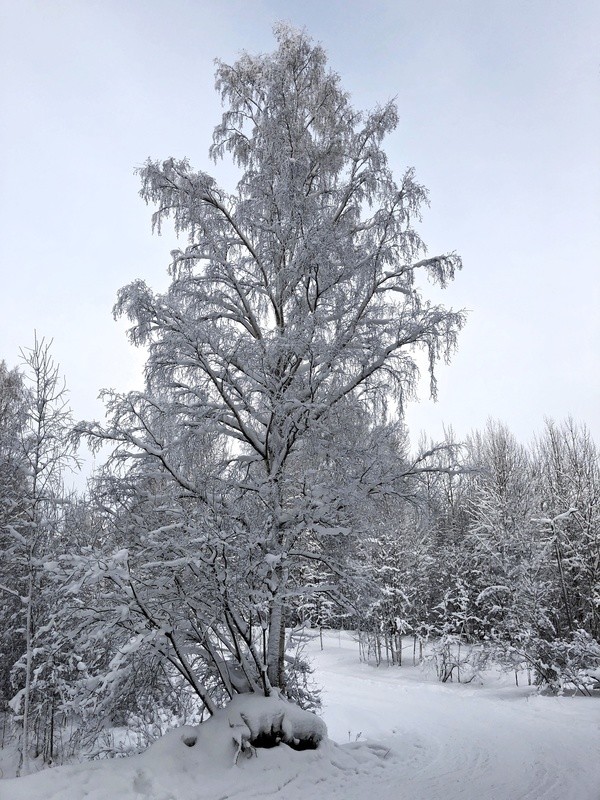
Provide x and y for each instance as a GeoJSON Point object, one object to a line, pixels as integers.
{"type": "Point", "coordinates": [499, 114]}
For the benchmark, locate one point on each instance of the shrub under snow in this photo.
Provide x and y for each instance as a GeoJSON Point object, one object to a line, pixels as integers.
{"type": "Point", "coordinates": [247, 722]}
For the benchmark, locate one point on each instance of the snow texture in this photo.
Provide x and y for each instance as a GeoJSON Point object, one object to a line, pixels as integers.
{"type": "Point", "coordinates": [406, 736]}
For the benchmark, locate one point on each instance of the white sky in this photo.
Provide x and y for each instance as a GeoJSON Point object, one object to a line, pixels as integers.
{"type": "Point", "coordinates": [500, 115]}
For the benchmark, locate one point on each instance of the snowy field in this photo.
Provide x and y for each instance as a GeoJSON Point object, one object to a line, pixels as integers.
{"type": "Point", "coordinates": [399, 734]}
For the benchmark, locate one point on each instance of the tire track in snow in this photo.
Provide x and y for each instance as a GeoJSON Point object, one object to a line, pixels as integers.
{"type": "Point", "coordinates": [454, 742]}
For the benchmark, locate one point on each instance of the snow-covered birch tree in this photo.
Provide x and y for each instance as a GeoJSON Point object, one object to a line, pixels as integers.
{"type": "Point", "coordinates": [31, 532]}
{"type": "Point", "coordinates": [297, 300]}
{"type": "Point", "coordinates": [568, 464]}
{"type": "Point", "coordinates": [13, 489]}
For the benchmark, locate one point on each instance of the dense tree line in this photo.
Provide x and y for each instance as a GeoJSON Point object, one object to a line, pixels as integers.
{"type": "Point", "coordinates": [263, 479]}
{"type": "Point", "coordinates": [499, 561]}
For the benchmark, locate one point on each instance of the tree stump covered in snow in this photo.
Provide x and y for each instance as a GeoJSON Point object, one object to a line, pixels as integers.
{"type": "Point", "coordinates": [258, 721]}
{"type": "Point", "coordinates": [251, 721]}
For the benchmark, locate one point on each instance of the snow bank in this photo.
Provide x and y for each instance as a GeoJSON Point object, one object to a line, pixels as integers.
{"type": "Point", "coordinates": [439, 742]}
{"type": "Point", "coordinates": [234, 752]}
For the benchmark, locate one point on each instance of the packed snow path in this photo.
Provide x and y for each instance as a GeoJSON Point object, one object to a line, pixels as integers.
{"type": "Point", "coordinates": [463, 741]}
{"type": "Point", "coordinates": [402, 736]}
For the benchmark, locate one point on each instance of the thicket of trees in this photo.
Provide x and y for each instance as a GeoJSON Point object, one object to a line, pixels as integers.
{"type": "Point", "coordinates": [500, 561]}
{"type": "Point", "coordinates": [35, 451]}
{"type": "Point", "coordinates": [263, 477]}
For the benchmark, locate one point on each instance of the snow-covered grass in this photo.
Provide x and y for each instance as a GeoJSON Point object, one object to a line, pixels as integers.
{"type": "Point", "coordinates": [399, 734]}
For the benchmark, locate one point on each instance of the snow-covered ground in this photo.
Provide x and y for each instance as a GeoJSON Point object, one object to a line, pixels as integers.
{"type": "Point", "coordinates": [400, 734]}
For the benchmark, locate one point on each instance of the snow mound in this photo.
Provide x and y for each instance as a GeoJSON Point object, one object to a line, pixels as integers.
{"type": "Point", "coordinates": [233, 754]}
{"type": "Point", "coordinates": [267, 721]}
{"type": "Point", "coordinates": [248, 722]}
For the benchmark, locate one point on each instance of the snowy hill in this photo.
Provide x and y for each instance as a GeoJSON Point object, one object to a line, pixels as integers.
{"type": "Point", "coordinates": [399, 734]}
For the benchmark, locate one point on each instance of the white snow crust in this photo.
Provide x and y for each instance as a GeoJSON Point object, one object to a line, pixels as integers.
{"type": "Point", "coordinates": [401, 735]}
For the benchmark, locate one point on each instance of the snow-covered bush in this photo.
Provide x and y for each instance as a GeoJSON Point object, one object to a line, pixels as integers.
{"type": "Point", "coordinates": [248, 722]}
{"type": "Point", "coordinates": [561, 664]}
